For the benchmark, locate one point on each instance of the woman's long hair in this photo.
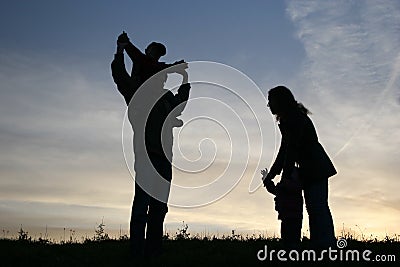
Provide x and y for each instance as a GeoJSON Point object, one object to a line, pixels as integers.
{"type": "Point", "coordinates": [285, 101]}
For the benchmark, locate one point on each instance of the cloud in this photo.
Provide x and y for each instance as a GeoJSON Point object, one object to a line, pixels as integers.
{"type": "Point", "coordinates": [60, 133]}
{"type": "Point", "coordinates": [61, 125]}
{"type": "Point", "coordinates": [352, 63]}
{"type": "Point", "coordinates": [348, 80]}
{"type": "Point", "coordinates": [39, 214]}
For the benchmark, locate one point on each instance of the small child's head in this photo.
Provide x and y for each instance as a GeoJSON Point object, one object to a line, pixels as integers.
{"type": "Point", "coordinates": [156, 50]}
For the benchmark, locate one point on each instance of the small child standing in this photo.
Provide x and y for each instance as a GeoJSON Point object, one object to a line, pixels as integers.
{"type": "Point", "coordinates": [289, 205]}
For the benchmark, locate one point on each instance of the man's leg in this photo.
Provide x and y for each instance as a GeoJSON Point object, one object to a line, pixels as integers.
{"type": "Point", "coordinates": [138, 220]}
{"type": "Point", "coordinates": [157, 212]}
{"type": "Point", "coordinates": [158, 209]}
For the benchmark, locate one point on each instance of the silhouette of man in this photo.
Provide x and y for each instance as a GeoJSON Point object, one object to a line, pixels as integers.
{"type": "Point", "coordinates": [152, 112]}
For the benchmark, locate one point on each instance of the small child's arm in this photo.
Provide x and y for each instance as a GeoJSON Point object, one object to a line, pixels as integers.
{"type": "Point", "coordinates": [133, 52]}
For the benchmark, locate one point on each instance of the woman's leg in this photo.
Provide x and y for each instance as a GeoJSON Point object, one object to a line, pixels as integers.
{"type": "Point", "coordinates": [322, 233]}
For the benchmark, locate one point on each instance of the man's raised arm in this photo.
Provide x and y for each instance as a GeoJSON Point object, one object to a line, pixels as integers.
{"type": "Point", "coordinates": [180, 99]}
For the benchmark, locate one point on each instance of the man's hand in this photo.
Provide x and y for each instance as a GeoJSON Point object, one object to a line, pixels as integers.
{"type": "Point", "coordinates": [180, 67]}
{"type": "Point", "coordinates": [178, 62]}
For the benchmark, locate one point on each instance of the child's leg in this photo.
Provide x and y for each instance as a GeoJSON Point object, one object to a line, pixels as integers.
{"type": "Point", "coordinates": [291, 232]}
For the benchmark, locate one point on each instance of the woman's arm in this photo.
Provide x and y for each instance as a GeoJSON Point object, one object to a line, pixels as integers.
{"type": "Point", "coordinates": [294, 136]}
{"type": "Point", "coordinates": [277, 167]}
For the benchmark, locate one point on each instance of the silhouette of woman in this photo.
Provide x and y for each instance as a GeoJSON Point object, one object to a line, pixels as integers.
{"type": "Point", "coordinates": [300, 145]}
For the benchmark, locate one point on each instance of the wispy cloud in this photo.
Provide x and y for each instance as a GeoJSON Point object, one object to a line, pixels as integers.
{"type": "Point", "coordinates": [350, 80]}
{"type": "Point", "coordinates": [61, 124]}
{"type": "Point", "coordinates": [352, 59]}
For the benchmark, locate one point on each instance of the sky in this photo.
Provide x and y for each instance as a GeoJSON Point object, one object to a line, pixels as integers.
{"type": "Point", "coordinates": [62, 160]}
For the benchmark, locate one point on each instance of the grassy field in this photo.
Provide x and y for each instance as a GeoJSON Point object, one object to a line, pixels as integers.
{"type": "Point", "coordinates": [236, 251]}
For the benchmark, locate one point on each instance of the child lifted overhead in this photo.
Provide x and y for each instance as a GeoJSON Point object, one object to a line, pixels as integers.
{"type": "Point", "coordinates": [144, 65]}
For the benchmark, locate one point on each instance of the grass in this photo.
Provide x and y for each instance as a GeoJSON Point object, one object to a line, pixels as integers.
{"type": "Point", "coordinates": [179, 250]}
{"type": "Point", "coordinates": [185, 252]}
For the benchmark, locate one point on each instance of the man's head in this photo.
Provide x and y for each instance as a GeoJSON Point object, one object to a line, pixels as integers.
{"type": "Point", "coordinates": [155, 50]}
